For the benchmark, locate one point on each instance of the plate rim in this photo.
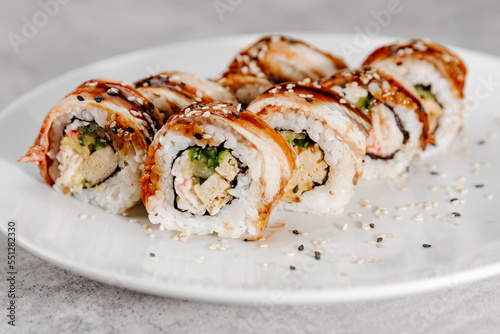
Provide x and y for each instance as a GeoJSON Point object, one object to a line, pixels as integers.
{"type": "Point", "coordinates": [245, 296]}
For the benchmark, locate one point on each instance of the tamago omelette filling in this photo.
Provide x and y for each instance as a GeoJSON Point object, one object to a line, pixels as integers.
{"type": "Point", "coordinates": [85, 156]}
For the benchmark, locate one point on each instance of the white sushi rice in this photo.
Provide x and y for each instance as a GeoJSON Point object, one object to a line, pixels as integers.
{"type": "Point", "coordinates": [117, 193]}
{"type": "Point", "coordinates": [234, 220]}
{"type": "Point", "coordinates": [331, 197]}
{"type": "Point", "coordinates": [425, 74]}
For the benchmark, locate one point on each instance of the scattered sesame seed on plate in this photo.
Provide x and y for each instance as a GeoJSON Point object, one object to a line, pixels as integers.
{"type": "Point", "coordinates": [133, 220]}
{"type": "Point", "coordinates": [365, 226]}
{"type": "Point", "coordinates": [263, 245]}
{"type": "Point", "coordinates": [345, 227]}
{"type": "Point", "coordinates": [398, 217]}
{"type": "Point", "coordinates": [83, 216]}
{"type": "Point", "coordinates": [290, 254]}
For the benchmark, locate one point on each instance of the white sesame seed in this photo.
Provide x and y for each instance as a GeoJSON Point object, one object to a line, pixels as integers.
{"type": "Point", "coordinates": [432, 166]}
{"type": "Point", "coordinates": [152, 236]}
{"type": "Point", "coordinates": [403, 189]}
{"type": "Point", "coordinates": [264, 264]}
{"type": "Point", "coordinates": [489, 196]}
{"type": "Point", "coordinates": [380, 246]}
{"type": "Point", "coordinates": [133, 220]}
{"type": "Point", "coordinates": [83, 216]}
{"type": "Point", "coordinates": [366, 205]}
{"type": "Point", "coordinates": [492, 135]}
{"type": "Point", "coordinates": [345, 227]}
{"type": "Point", "coordinates": [486, 164]}
{"type": "Point", "coordinates": [365, 226]}
{"type": "Point", "coordinates": [93, 217]}
{"type": "Point", "coordinates": [125, 214]}
{"type": "Point", "coordinates": [433, 188]}
{"type": "Point", "coordinates": [360, 261]}
{"type": "Point", "coordinates": [355, 214]}
{"type": "Point", "coordinates": [402, 208]}
{"type": "Point", "coordinates": [371, 242]}
{"type": "Point", "coordinates": [399, 217]}
{"type": "Point", "coordinates": [263, 245]}
{"type": "Point", "coordinates": [290, 254]}
{"type": "Point", "coordinates": [491, 222]}
{"type": "Point", "coordinates": [238, 108]}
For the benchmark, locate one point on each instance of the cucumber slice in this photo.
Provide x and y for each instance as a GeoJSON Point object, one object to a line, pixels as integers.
{"type": "Point", "coordinates": [425, 92]}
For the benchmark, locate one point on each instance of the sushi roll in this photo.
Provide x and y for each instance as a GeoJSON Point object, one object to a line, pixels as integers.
{"type": "Point", "coordinates": [214, 169]}
{"type": "Point", "coordinates": [398, 122]}
{"type": "Point", "coordinates": [172, 91]}
{"type": "Point", "coordinates": [329, 138]}
{"type": "Point", "coordinates": [275, 59]}
{"type": "Point", "coordinates": [93, 144]}
{"type": "Point", "coordinates": [439, 77]}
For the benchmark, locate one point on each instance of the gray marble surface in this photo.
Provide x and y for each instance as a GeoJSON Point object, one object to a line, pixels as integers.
{"type": "Point", "coordinates": [52, 300]}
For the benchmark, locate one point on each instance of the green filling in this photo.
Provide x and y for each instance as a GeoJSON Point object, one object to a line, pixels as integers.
{"type": "Point", "coordinates": [298, 139]}
{"type": "Point", "coordinates": [425, 92]}
{"type": "Point", "coordinates": [365, 103]}
{"type": "Point", "coordinates": [205, 161]}
{"type": "Point", "coordinates": [92, 136]}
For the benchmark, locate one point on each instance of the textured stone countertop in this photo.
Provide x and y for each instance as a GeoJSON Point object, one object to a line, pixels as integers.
{"type": "Point", "coordinates": [52, 300]}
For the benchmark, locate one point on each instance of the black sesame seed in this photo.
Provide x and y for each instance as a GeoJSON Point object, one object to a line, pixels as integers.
{"type": "Point", "coordinates": [198, 136]}
{"type": "Point", "coordinates": [301, 248]}
{"type": "Point", "coordinates": [380, 239]}
{"type": "Point", "coordinates": [317, 255]}
{"type": "Point", "coordinates": [235, 114]}
{"type": "Point", "coordinates": [456, 214]}
{"type": "Point", "coordinates": [308, 99]}
{"type": "Point", "coordinates": [343, 85]}
{"type": "Point", "coordinates": [481, 142]}
{"type": "Point", "coordinates": [372, 225]}
{"type": "Point", "coordinates": [99, 98]}
{"type": "Point", "coordinates": [148, 141]}
{"type": "Point", "coordinates": [112, 93]}
{"type": "Point", "coordinates": [479, 185]}
{"type": "Point", "coordinates": [152, 254]}
{"type": "Point", "coordinates": [453, 199]}
{"type": "Point", "coordinates": [80, 98]}
{"type": "Point", "coordinates": [292, 41]}
{"type": "Point", "coordinates": [114, 130]}
{"type": "Point", "coordinates": [131, 130]}
{"type": "Point", "coordinates": [182, 83]}
{"type": "Point", "coordinates": [151, 104]}
{"type": "Point", "coordinates": [292, 268]}
{"type": "Point", "coordinates": [426, 246]}
{"type": "Point", "coordinates": [295, 232]}
{"type": "Point", "coordinates": [295, 189]}
{"type": "Point", "coordinates": [434, 173]}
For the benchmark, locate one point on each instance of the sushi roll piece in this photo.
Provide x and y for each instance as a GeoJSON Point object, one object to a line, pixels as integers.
{"type": "Point", "coordinates": [275, 59]}
{"type": "Point", "coordinates": [215, 169]}
{"type": "Point", "coordinates": [173, 91]}
{"type": "Point", "coordinates": [93, 144]}
{"type": "Point", "coordinates": [329, 138]}
{"type": "Point", "coordinates": [438, 75]}
{"type": "Point", "coordinates": [398, 122]}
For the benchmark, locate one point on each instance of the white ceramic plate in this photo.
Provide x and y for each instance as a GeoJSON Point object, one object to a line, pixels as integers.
{"type": "Point", "coordinates": [116, 249]}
